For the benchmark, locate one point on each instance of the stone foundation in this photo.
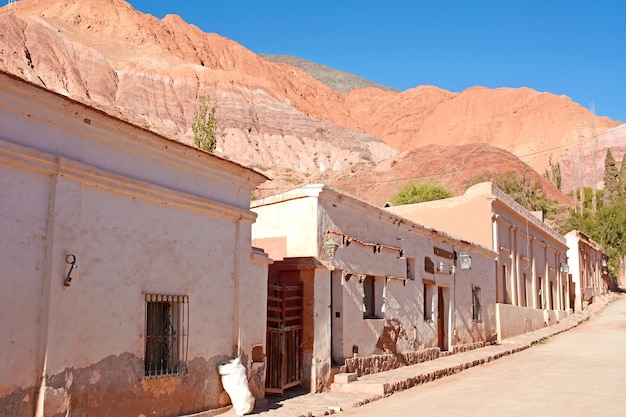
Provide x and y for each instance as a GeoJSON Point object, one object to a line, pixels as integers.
{"type": "Point", "coordinates": [367, 365]}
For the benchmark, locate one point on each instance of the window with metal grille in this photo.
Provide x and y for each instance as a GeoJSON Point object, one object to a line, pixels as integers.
{"type": "Point", "coordinates": [167, 330]}
{"type": "Point", "coordinates": [373, 297]}
{"type": "Point", "coordinates": [476, 311]}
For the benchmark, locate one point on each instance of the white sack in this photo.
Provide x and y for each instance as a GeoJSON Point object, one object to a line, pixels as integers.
{"type": "Point", "coordinates": [235, 383]}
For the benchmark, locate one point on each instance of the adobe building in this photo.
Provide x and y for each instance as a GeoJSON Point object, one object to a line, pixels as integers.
{"type": "Point", "coordinates": [531, 279]}
{"type": "Point", "coordinates": [128, 273]}
{"type": "Point", "coordinates": [361, 289]}
{"type": "Point", "coordinates": [588, 267]}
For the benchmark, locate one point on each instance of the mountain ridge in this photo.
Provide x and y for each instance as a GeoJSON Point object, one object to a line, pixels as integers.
{"type": "Point", "coordinates": [338, 80]}
{"type": "Point", "coordinates": [276, 118]}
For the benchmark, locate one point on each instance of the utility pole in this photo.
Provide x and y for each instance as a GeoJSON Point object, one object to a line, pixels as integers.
{"type": "Point", "coordinates": [574, 166]}
{"type": "Point", "coordinates": [594, 204]}
{"type": "Point", "coordinates": [581, 171]}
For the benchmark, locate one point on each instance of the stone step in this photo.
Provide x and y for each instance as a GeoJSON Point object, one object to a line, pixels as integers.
{"type": "Point", "coordinates": [345, 378]}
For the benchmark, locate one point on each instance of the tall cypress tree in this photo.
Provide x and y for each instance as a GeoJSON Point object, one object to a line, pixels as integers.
{"type": "Point", "coordinates": [622, 178]}
{"type": "Point", "coordinates": [611, 182]}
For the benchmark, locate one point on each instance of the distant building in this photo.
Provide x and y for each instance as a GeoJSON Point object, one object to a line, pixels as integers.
{"type": "Point", "coordinates": [531, 277]}
{"type": "Point", "coordinates": [373, 289]}
{"type": "Point", "coordinates": [128, 273]}
{"type": "Point", "coordinates": [588, 268]}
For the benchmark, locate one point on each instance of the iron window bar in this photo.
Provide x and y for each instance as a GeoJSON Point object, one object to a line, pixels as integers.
{"type": "Point", "coordinates": [166, 335]}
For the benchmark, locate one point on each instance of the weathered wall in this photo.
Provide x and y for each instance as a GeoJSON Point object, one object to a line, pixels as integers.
{"type": "Point", "coordinates": [130, 237]}
{"type": "Point", "coordinates": [90, 334]}
{"type": "Point", "coordinates": [23, 256]}
{"type": "Point", "coordinates": [400, 326]}
{"type": "Point", "coordinates": [374, 243]}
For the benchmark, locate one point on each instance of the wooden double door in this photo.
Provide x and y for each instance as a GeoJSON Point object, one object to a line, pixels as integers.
{"type": "Point", "coordinates": [284, 338]}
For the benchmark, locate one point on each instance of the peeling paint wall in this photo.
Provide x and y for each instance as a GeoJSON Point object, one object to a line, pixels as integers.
{"type": "Point", "coordinates": [78, 349]}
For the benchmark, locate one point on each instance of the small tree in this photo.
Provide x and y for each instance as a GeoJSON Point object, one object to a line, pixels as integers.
{"type": "Point", "coordinates": [554, 173]}
{"type": "Point", "coordinates": [622, 177]}
{"type": "Point", "coordinates": [205, 125]}
{"type": "Point", "coordinates": [414, 192]}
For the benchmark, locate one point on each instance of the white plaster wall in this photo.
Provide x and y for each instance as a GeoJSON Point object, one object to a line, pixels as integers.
{"type": "Point", "coordinates": [402, 317]}
{"type": "Point", "coordinates": [357, 331]}
{"type": "Point", "coordinates": [142, 214]}
{"type": "Point", "coordinates": [582, 270]}
{"type": "Point", "coordinates": [480, 275]}
{"type": "Point", "coordinates": [514, 320]}
{"type": "Point", "coordinates": [321, 324]}
{"type": "Point", "coordinates": [77, 132]}
{"type": "Point", "coordinates": [127, 247]}
{"type": "Point", "coordinates": [23, 224]}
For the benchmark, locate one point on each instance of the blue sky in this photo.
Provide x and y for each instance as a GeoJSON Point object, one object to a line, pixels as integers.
{"type": "Point", "coordinates": [572, 47]}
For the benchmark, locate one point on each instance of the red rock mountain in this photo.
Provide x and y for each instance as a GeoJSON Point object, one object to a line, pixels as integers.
{"type": "Point", "coordinates": [278, 119]}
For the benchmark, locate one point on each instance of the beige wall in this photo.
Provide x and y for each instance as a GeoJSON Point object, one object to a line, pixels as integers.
{"type": "Point", "coordinates": [467, 216]}
{"type": "Point", "coordinates": [72, 187]}
{"type": "Point", "coordinates": [530, 253]}
{"type": "Point", "coordinates": [291, 224]}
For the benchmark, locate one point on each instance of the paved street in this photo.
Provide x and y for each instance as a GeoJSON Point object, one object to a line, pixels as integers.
{"type": "Point", "coordinates": [581, 372]}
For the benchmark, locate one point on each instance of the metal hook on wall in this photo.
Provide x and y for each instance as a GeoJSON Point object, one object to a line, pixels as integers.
{"type": "Point", "coordinates": [71, 260]}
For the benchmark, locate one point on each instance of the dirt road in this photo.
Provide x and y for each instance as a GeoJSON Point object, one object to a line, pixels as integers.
{"type": "Point", "coordinates": [579, 373]}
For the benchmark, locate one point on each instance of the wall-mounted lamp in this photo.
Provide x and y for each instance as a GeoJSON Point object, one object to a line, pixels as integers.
{"type": "Point", "coordinates": [71, 261]}
{"type": "Point", "coordinates": [564, 268]}
{"type": "Point", "coordinates": [330, 246]}
{"type": "Point", "coordinates": [453, 269]}
{"type": "Point", "coordinates": [465, 260]}
{"type": "Point", "coordinates": [441, 267]}
{"type": "Point", "coordinates": [604, 262]}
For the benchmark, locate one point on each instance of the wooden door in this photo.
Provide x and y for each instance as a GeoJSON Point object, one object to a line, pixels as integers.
{"type": "Point", "coordinates": [572, 294]}
{"type": "Point", "coordinates": [441, 327]}
{"type": "Point", "coordinates": [284, 338]}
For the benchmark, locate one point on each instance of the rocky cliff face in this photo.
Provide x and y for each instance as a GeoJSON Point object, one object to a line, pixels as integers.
{"type": "Point", "coordinates": [275, 117]}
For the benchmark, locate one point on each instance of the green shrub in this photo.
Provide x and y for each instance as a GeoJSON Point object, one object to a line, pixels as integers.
{"type": "Point", "coordinates": [419, 192]}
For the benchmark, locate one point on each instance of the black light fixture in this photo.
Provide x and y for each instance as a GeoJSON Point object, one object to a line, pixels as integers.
{"type": "Point", "coordinates": [465, 260]}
